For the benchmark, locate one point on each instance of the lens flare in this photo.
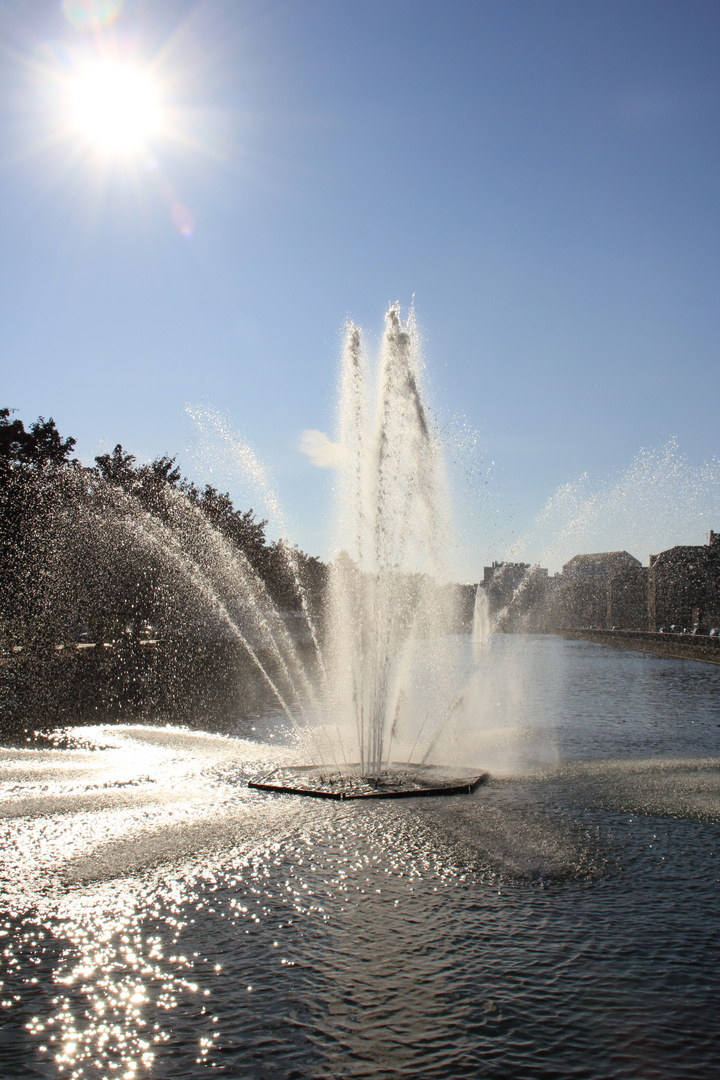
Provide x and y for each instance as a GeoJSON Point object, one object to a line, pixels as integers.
{"type": "Point", "coordinates": [91, 14]}
{"type": "Point", "coordinates": [182, 219]}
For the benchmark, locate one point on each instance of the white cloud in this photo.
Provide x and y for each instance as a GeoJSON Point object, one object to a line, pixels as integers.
{"type": "Point", "coordinates": [321, 450]}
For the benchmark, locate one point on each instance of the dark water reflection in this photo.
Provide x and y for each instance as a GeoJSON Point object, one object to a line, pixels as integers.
{"type": "Point", "coordinates": [162, 920]}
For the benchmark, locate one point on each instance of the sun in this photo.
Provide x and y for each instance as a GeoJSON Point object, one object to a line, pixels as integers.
{"type": "Point", "coordinates": [115, 107]}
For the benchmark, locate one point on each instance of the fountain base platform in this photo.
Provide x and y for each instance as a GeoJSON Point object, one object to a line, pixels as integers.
{"type": "Point", "coordinates": [399, 781]}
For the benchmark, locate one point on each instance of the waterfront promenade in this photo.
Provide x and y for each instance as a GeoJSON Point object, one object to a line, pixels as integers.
{"type": "Point", "coordinates": [682, 646]}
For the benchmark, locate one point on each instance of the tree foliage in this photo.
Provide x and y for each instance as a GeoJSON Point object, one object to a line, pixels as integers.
{"type": "Point", "coordinates": [47, 499]}
{"type": "Point", "coordinates": [32, 466]}
{"type": "Point", "coordinates": [40, 446]}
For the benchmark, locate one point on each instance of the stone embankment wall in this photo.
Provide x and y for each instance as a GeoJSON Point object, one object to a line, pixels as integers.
{"type": "Point", "coordinates": [682, 646]}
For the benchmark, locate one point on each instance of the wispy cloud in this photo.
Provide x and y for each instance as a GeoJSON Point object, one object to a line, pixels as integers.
{"type": "Point", "coordinates": [321, 450]}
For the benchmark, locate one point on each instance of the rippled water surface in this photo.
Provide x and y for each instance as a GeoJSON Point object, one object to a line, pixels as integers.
{"type": "Point", "coordinates": [160, 919]}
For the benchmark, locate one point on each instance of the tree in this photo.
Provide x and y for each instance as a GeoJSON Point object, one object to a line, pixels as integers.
{"type": "Point", "coordinates": [41, 445]}
{"type": "Point", "coordinates": [32, 464]}
{"type": "Point", "coordinates": [75, 539]}
{"type": "Point", "coordinates": [238, 526]}
{"type": "Point", "coordinates": [118, 468]}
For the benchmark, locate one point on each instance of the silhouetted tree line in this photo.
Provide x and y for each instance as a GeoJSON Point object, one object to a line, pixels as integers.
{"type": "Point", "coordinates": [146, 576]}
{"type": "Point", "coordinates": [42, 484]}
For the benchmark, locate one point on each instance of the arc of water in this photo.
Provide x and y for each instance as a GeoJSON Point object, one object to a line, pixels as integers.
{"type": "Point", "coordinates": [244, 456]}
{"type": "Point", "coordinates": [252, 584]}
{"type": "Point", "coordinates": [197, 577]}
{"type": "Point", "coordinates": [162, 539]}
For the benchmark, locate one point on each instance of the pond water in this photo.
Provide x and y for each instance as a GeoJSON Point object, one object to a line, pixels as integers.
{"type": "Point", "coordinates": [160, 919]}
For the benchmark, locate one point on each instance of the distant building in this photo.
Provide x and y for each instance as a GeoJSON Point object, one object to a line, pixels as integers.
{"type": "Point", "coordinates": [603, 589]}
{"type": "Point", "coordinates": [599, 567]}
{"type": "Point", "coordinates": [609, 589]}
{"type": "Point", "coordinates": [501, 581]}
{"type": "Point", "coordinates": [684, 586]}
{"type": "Point", "coordinates": [516, 595]}
{"type": "Point", "coordinates": [627, 599]}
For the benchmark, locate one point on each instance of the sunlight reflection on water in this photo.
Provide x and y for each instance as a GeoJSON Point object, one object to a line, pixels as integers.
{"type": "Point", "coordinates": [161, 919]}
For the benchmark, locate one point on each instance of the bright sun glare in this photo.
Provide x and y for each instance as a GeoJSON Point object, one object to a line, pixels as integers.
{"type": "Point", "coordinates": [115, 107]}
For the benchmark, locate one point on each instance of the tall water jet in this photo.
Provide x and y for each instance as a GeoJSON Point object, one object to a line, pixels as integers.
{"type": "Point", "coordinates": [482, 622]}
{"type": "Point", "coordinates": [393, 674]}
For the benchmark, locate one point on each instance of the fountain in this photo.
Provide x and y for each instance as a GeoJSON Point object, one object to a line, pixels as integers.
{"type": "Point", "coordinates": [389, 675]}
{"type": "Point", "coordinates": [369, 684]}
{"type": "Point", "coordinates": [160, 919]}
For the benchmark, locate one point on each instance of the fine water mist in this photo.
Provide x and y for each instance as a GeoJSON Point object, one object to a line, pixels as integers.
{"type": "Point", "coordinates": [661, 498]}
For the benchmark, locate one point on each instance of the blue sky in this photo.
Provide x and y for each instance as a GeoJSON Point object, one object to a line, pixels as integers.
{"type": "Point", "coordinates": [542, 177]}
